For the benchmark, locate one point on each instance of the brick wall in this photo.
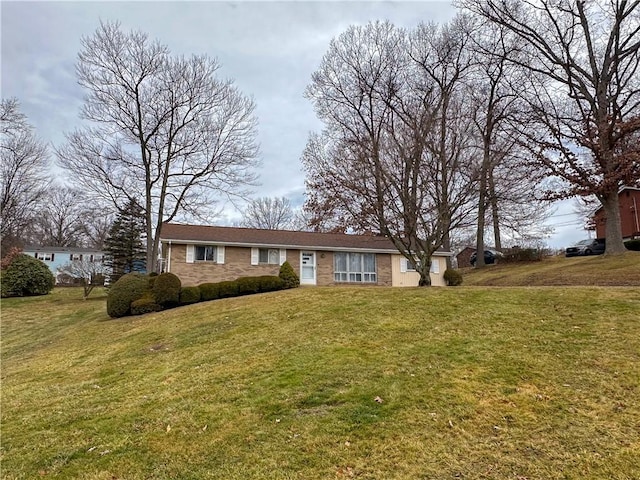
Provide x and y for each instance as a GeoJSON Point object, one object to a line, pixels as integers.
{"type": "Point", "coordinates": [324, 274]}
{"type": "Point", "coordinates": [464, 257]}
{"type": "Point", "coordinates": [237, 263]}
{"type": "Point", "coordinates": [629, 216]}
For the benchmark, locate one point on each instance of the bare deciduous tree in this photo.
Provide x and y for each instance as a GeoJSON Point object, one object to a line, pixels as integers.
{"type": "Point", "coordinates": [60, 219]}
{"type": "Point", "coordinates": [391, 160]}
{"type": "Point", "coordinates": [24, 163]}
{"type": "Point", "coordinates": [583, 59]}
{"type": "Point", "coordinates": [96, 225]}
{"type": "Point", "coordinates": [508, 188]}
{"type": "Point", "coordinates": [268, 213]}
{"type": "Point", "coordinates": [90, 272]}
{"type": "Point", "coordinates": [167, 131]}
{"type": "Point", "coordinates": [444, 59]}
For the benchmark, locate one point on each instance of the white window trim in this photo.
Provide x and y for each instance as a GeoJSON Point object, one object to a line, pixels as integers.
{"type": "Point", "coordinates": [373, 276]}
{"type": "Point", "coordinates": [191, 253]}
{"type": "Point", "coordinates": [255, 255]}
{"type": "Point", "coordinates": [405, 268]}
{"type": "Point", "coordinates": [435, 266]}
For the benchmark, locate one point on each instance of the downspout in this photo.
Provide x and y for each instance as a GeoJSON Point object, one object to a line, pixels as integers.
{"type": "Point", "coordinates": [169, 258]}
{"type": "Point", "coordinates": [635, 209]}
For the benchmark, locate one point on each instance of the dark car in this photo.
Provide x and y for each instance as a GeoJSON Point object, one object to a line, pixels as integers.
{"type": "Point", "coordinates": [490, 257]}
{"type": "Point", "coordinates": [586, 247]}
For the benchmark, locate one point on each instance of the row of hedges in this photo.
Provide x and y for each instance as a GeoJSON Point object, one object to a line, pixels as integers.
{"type": "Point", "coordinates": [136, 294]}
{"type": "Point", "coordinates": [517, 255]}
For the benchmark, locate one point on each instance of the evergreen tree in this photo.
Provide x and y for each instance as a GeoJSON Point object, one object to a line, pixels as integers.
{"type": "Point", "coordinates": [124, 246]}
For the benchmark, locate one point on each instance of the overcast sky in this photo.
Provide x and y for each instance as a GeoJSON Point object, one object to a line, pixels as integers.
{"type": "Point", "coordinates": [269, 48]}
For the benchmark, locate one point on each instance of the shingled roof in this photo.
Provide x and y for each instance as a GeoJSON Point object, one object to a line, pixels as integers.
{"type": "Point", "coordinates": [252, 237]}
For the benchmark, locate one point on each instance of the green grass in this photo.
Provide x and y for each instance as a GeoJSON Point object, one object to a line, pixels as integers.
{"type": "Point", "coordinates": [601, 270]}
{"type": "Point", "coordinates": [474, 383]}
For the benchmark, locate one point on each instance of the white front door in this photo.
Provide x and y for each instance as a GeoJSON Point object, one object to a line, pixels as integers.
{"type": "Point", "coordinates": [308, 268]}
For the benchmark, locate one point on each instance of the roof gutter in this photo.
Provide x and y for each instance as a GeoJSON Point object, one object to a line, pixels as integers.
{"type": "Point", "coordinates": [295, 247]}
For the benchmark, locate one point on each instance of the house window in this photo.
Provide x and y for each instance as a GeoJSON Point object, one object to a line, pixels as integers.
{"type": "Point", "coordinates": [412, 265]}
{"type": "Point", "coordinates": [45, 257]}
{"type": "Point", "coordinates": [205, 253]}
{"type": "Point", "coordinates": [75, 256]}
{"type": "Point", "coordinates": [435, 266]}
{"type": "Point", "coordinates": [354, 267]}
{"type": "Point", "coordinates": [269, 255]}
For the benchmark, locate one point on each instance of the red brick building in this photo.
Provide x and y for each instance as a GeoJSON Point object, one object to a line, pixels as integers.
{"type": "Point", "coordinates": [629, 198]}
{"type": "Point", "coordinates": [464, 257]}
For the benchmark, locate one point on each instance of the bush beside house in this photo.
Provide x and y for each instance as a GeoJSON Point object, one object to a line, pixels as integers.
{"type": "Point", "coordinates": [26, 276]}
{"type": "Point", "coordinates": [633, 245]}
{"type": "Point", "coordinates": [137, 294]}
{"type": "Point", "coordinates": [452, 277]}
{"type": "Point", "coordinates": [189, 295]}
{"type": "Point", "coordinates": [289, 276]}
{"type": "Point", "coordinates": [166, 290]}
{"type": "Point", "coordinates": [126, 290]}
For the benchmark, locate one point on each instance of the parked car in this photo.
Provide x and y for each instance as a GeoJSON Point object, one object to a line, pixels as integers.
{"type": "Point", "coordinates": [490, 257]}
{"type": "Point", "coordinates": [591, 246]}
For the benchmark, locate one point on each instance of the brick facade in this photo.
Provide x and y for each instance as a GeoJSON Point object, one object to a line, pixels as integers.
{"type": "Point", "coordinates": [629, 200]}
{"type": "Point", "coordinates": [464, 257]}
{"type": "Point", "coordinates": [238, 243]}
{"type": "Point", "coordinates": [237, 263]}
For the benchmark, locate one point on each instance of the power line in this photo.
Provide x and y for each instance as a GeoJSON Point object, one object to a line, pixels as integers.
{"type": "Point", "coordinates": [565, 215]}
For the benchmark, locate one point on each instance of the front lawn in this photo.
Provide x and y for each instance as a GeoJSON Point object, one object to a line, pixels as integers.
{"type": "Point", "coordinates": [325, 383]}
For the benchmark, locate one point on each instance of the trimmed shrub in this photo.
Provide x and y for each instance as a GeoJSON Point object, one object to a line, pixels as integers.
{"type": "Point", "coordinates": [189, 295]}
{"type": "Point", "coordinates": [8, 257]}
{"type": "Point", "coordinates": [209, 291]}
{"type": "Point", "coordinates": [270, 283]}
{"type": "Point", "coordinates": [228, 289]}
{"type": "Point", "coordinates": [166, 289]}
{"type": "Point", "coordinates": [633, 245]}
{"type": "Point", "coordinates": [291, 280]}
{"type": "Point", "coordinates": [452, 277]}
{"type": "Point", "coordinates": [128, 289]}
{"type": "Point", "coordinates": [26, 276]}
{"type": "Point", "coordinates": [522, 255]}
{"type": "Point", "coordinates": [143, 305]}
{"type": "Point", "coordinates": [248, 285]}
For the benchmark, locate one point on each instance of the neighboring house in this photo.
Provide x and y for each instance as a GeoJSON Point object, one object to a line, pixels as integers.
{"type": "Point", "coordinates": [199, 254]}
{"type": "Point", "coordinates": [629, 199]}
{"type": "Point", "coordinates": [56, 258]}
{"type": "Point", "coordinates": [463, 258]}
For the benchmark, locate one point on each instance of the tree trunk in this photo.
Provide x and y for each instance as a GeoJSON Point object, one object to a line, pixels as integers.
{"type": "Point", "coordinates": [481, 214]}
{"type": "Point", "coordinates": [425, 278]}
{"type": "Point", "coordinates": [613, 232]}
{"type": "Point", "coordinates": [495, 215]}
{"type": "Point", "coordinates": [446, 244]}
{"type": "Point", "coordinates": [482, 203]}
